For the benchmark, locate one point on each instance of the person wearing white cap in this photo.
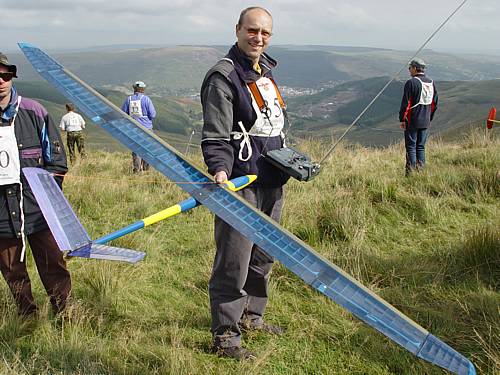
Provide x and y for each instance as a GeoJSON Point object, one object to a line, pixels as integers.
{"type": "Point", "coordinates": [418, 105]}
{"type": "Point", "coordinates": [141, 108]}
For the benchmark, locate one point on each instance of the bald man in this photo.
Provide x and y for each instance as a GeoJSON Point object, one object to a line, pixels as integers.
{"type": "Point", "coordinates": [237, 133]}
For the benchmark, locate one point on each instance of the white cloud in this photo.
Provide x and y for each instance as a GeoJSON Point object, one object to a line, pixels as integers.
{"type": "Point", "coordinates": [389, 24]}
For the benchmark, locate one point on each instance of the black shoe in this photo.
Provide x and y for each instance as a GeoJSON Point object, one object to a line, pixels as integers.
{"type": "Point", "coordinates": [235, 352]}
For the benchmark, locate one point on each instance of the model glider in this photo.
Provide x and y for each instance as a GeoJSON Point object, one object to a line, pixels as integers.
{"type": "Point", "coordinates": [492, 118]}
{"type": "Point", "coordinates": [72, 237]}
{"type": "Point", "coordinates": [293, 253]}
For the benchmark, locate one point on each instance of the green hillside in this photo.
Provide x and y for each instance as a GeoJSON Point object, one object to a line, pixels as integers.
{"type": "Point", "coordinates": [306, 68]}
{"type": "Point", "coordinates": [428, 244]}
{"type": "Point", "coordinates": [322, 115]}
{"type": "Point", "coordinates": [173, 115]}
{"type": "Point", "coordinates": [176, 118]}
{"type": "Point", "coordinates": [330, 111]}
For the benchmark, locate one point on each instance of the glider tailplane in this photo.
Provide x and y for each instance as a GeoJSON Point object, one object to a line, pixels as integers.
{"type": "Point", "coordinates": [97, 251]}
{"type": "Point", "coordinates": [69, 233]}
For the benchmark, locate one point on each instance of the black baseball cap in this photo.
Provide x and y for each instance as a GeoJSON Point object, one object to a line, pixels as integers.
{"type": "Point", "coordinates": [5, 62]}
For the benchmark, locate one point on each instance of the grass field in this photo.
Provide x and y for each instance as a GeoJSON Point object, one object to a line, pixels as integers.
{"type": "Point", "coordinates": [428, 244]}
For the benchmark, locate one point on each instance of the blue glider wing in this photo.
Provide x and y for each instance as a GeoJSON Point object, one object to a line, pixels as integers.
{"type": "Point", "coordinates": [64, 224]}
{"type": "Point", "coordinates": [293, 253]}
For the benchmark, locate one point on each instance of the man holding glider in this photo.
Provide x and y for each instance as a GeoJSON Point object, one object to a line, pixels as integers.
{"type": "Point", "coordinates": [236, 136]}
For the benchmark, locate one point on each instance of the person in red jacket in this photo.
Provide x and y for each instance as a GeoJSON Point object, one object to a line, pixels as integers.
{"type": "Point", "coordinates": [28, 138]}
{"type": "Point", "coordinates": [417, 110]}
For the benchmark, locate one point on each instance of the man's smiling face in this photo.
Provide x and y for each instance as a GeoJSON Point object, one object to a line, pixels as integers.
{"type": "Point", "coordinates": [254, 33]}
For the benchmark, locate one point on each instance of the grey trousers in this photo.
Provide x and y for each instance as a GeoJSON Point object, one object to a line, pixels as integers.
{"type": "Point", "coordinates": [138, 164]}
{"type": "Point", "coordinates": [238, 287]}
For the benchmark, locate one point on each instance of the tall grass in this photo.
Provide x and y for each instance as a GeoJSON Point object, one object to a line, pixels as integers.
{"type": "Point", "coordinates": [429, 244]}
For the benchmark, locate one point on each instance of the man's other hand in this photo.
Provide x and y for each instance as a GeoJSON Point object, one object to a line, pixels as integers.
{"type": "Point", "coordinates": [402, 125]}
{"type": "Point", "coordinates": [220, 177]}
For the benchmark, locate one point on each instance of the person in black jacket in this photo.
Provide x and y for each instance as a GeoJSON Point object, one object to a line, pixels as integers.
{"type": "Point", "coordinates": [28, 138]}
{"type": "Point", "coordinates": [236, 134]}
{"type": "Point", "coordinates": [417, 110]}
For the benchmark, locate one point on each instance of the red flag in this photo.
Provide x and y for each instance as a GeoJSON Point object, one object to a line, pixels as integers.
{"type": "Point", "coordinates": [491, 117]}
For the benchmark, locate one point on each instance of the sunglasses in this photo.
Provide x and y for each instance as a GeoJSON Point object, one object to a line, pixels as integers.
{"type": "Point", "coordinates": [6, 76]}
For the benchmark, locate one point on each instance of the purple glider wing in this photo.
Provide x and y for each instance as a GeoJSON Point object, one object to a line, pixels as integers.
{"type": "Point", "coordinates": [62, 220]}
{"type": "Point", "coordinates": [96, 251]}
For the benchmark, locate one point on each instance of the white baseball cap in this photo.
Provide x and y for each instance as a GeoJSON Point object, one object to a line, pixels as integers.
{"type": "Point", "coordinates": [139, 84]}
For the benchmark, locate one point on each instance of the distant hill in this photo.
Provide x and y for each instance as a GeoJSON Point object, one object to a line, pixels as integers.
{"type": "Point", "coordinates": [179, 70]}
{"type": "Point", "coordinates": [167, 71]}
{"type": "Point", "coordinates": [330, 111]}
{"type": "Point", "coordinates": [175, 120]}
{"type": "Point", "coordinates": [320, 115]}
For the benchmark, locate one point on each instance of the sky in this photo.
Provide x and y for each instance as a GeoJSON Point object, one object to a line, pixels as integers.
{"type": "Point", "coordinates": [76, 24]}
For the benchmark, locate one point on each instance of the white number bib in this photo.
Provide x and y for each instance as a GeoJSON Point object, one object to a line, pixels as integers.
{"type": "Point", "coordinates": [427, 93]}
{"type": "Point", "coordinates": [264, 126]}
{"type": "Point", "coordinates": [73, 121]}
{"type": "Point", "coordinates": [135, 108]}
{"type": "Point", "coordinates": [10, 165]}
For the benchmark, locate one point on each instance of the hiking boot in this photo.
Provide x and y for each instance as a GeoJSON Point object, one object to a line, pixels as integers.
{"type": "Point", "coordinates": [270, 328]}
{"type": "Point", "coordinates": [235, 352]}
{"type": "Point", "coordinates": [245, 325]}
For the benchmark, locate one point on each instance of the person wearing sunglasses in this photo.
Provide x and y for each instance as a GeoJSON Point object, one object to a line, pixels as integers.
{"type": "Point", "coordinates": [418, 105]}
{"type": "Point", "coordinates": [28, 138]}
{"type": "Point", "coordinates": [236, 133]}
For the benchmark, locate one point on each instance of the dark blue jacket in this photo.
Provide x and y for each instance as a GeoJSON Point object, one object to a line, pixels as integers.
{"type": "Point", "coordinates": [419, 117]}
{"type": "Point", "coordinates": [226, 101]}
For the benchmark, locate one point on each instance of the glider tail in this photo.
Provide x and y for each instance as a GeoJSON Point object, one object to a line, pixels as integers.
{"type": "Point", "coordinates": [67, 230]}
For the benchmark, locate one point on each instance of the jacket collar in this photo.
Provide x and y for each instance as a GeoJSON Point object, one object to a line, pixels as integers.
{"type": "Point", "coordinates": [10, 110]}
{"type": "Point", "coordinates": [244, 66]}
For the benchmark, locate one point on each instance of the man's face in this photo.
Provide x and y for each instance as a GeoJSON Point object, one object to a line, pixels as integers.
{"type": "Point", "coordinates": [254, 33]}
{"type": "Point", "coordinates": [413, 71]}
{"type": "Point", "coordinates": [5, 86]}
